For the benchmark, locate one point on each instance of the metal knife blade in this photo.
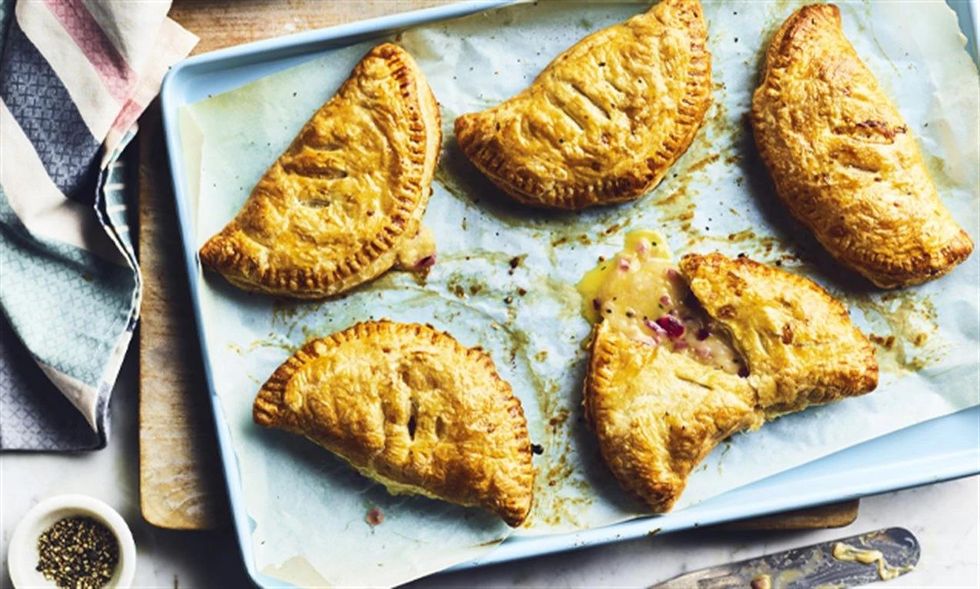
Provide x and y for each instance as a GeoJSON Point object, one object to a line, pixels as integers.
{"type": "Point", "coordinates": [813, 566]}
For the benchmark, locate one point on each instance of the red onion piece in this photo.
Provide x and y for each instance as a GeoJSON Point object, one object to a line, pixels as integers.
{"type": "Point", "coordinates": [671, 325]}
{"type": "Point", "coordinates": [426, 262]}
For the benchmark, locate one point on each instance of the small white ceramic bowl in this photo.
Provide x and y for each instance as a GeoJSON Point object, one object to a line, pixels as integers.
{"type": "Point", "coordinates": [22, 557]}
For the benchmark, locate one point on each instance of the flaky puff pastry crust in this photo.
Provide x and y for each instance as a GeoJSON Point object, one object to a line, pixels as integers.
{"type": "Point", "coordinates": [797, 340]}
{"type": "Point", "coordinates": [411, 408]}
{"type": "Point", "coordinates": [604, 121]}
{"type": "Point", "coordinates": [843, 160]}
{"type": "Point", "coordinates": [656, 414]}
{"type": "Point", "coordinates": [332, 212]}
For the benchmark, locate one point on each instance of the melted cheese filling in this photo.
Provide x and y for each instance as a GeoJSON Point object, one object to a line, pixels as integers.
{"type": "Point", "coordinates": [640, 293]}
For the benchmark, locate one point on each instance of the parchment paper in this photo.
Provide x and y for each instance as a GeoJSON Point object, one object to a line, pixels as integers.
{"type": "Point", "coordinates": [309, 510]}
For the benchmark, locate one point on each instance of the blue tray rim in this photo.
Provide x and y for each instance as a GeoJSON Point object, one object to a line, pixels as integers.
{"type": "Point", "coordinates": [957, 462]}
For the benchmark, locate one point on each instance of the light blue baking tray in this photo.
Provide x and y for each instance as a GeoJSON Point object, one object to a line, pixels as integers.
{"type": "Point", "coordinates": [938, 450]}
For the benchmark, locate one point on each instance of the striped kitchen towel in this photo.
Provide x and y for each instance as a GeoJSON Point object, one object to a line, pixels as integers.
{"type": "Point", "coordinates": [74, 77]}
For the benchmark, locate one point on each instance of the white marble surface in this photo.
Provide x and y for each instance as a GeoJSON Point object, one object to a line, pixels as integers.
{"type": "Point", "coordinates": [944, 517]}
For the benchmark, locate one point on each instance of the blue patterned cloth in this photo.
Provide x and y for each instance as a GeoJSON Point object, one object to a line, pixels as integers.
{"type": "Point", "coordinates": [72, 84]}
{"type": "Point", "coordinates": [72, 308]}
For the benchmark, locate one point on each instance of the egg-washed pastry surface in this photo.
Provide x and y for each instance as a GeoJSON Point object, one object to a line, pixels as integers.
{"type": "Point", "coordinates": [845, 162]}
{"type": "Point", "coordinates": [411, 408]}
{"type": "Point", "coordinates": [604, 120]}
{"type": "Point", "coordinates": [344, 203]}
{"type": "Point", "coordinates": [684, 357]}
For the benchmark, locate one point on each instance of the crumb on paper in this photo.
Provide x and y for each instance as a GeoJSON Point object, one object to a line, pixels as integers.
{"type": "Point", "coordinates": [375, 517]}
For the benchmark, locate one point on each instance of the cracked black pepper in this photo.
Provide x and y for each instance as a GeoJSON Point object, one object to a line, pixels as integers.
{"type": "Point", "coordinates": [78, 553]}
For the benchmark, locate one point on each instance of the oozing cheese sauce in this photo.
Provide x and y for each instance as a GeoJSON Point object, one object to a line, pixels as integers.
{"type": "Point", "coordinates": [640, 293]}
{"type": "Point", "coordinates": [418, 254]}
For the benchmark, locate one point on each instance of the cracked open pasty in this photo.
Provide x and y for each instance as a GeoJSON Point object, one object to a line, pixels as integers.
{"type": "Point", "coordinates": [843, 160]}
{"type": "Point", "coordinates": [604, 120]}
{"type": "Point", "coordinates": [685, 357]}
{"type": "Point", "coordinates": [411, 408]}
{"type": "Point", "coordinates": [343, 204]}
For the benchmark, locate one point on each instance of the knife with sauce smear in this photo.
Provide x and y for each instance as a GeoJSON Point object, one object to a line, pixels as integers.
{"type": "Point", "coordinates": [858, 560]}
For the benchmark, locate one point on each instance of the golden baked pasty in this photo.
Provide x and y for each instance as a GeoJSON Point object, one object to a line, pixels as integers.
{"type": "Point", "coordinates": [656, 414]}
{"type": "Point", "coordinates": [843, 160]}
{"type": "Point", "coordinates": [683, 358]}
{"type": "Point", "coordinates": [348, 194]}
{"type": "Point", "coordinates": [604, 120]}
{"type": "Point", "coordinates": [411, 408]}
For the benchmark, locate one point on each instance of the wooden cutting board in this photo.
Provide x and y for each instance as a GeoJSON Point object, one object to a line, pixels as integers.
{"type": "Point", "coordinates": [180, 476]}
